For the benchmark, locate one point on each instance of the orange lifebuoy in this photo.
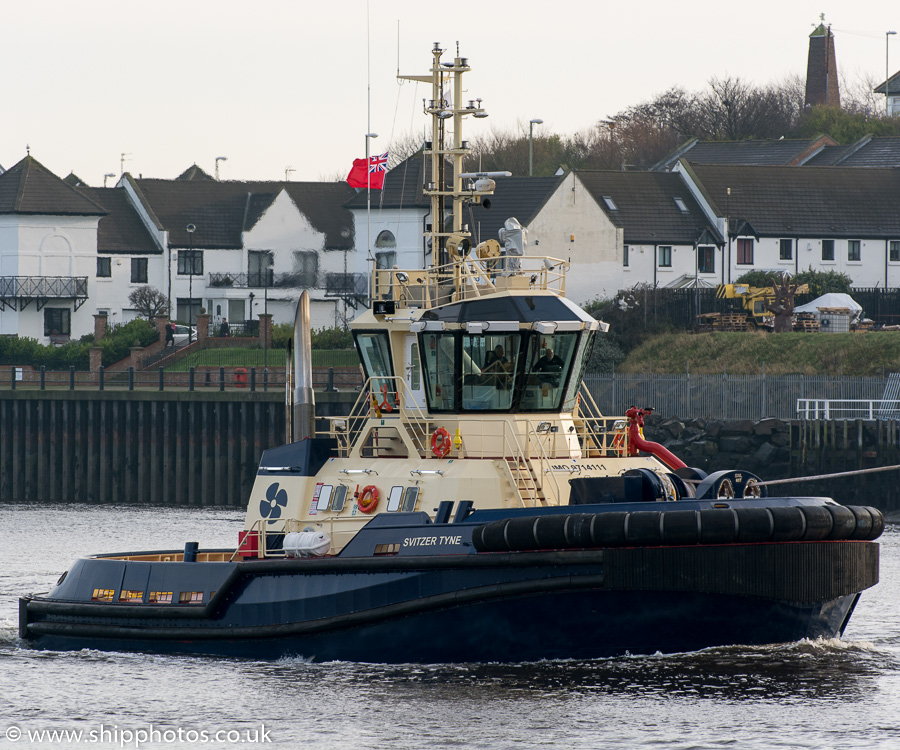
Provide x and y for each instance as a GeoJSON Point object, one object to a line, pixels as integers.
{"type": "Point", "coordinates": [440, 442]}
{"type": "Point", "coordinates": [368, 500]}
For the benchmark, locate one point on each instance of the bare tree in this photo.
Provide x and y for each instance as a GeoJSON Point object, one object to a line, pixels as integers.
{"type": "Point", "coordinates": [149, 302]}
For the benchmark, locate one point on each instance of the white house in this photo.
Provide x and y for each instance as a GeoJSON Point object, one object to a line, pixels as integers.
{"type": "Point", "coordinates": [843, 219]}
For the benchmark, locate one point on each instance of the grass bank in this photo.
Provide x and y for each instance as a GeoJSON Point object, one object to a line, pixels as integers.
{"type": "Point", "coordinates": [750, 353]}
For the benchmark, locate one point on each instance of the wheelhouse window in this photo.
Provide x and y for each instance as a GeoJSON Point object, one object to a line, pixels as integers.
{"type": "Point", "coordinates": [439, 362]}
{"type": "Point", "coordinates": [745, 251]}
{"type": "Point", "coordinates": [138, 270]}
{"type": "Point", "coordinates": [827, 249]}
{"type": "Point", "coordinates": [585, 346]}
{"type": "Point", "coordinates": [190, 262]}
{"type": "Point", "coordinates": [489, 368]}
{"type": "Point", "coordinates": [665, 256]}
{"type": "Point", "coordinates": [547, 363]}
{"type": "Point", "coordinates": [104, 268]}
{"type": "Point", "coordinates": [853, 250]}
{"type": "Point", "coordinates": [894, 250]}
{"type": "Point", "coordinates": [706, 259]}
{"type": "Point", "coordinates": [786, 249]}
{"type": "Point", "coordinates": [375, 352]}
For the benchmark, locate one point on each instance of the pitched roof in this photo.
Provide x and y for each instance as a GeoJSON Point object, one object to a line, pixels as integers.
{"type": "Point", "coordinates": [519, 197]}
{"type": "Point", "coordinates": [194, 172]}
{"type": "Point", "coordinates": [892, 84]}
{"type": "Point", "coordinates": [784, 151]}
{"type": "Point", "coordinates": [121, 230]}
{"type": "Point", "coordinates": [30, 188]}
{"type": "Point", "coordinates": [810, 202]}
{"type": "Point", "coordinates": [645, 206]}
{"type": "Point", "coordinates": [221, 211]}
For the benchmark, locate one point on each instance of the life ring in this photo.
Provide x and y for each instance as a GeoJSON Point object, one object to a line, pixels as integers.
{"type": "Point", "coordinates": [368, 500]}
{"type": "Point", "coordinates": [440, 442]}
{"type": "Point", "coordinates": [618, 444]}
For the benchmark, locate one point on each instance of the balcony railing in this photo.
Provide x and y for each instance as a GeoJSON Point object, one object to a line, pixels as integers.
{"type": "Point", "coordinates": [257, 280]}
{"type": "Point", "coordinates": [20, 290]}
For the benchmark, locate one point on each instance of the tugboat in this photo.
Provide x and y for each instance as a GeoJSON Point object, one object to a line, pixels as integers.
{"type": "Point", "coordinates": [475, 505]}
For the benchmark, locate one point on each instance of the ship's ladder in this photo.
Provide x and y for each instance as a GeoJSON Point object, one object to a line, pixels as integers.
{"type": "Point", "coordinates": [526, 481]}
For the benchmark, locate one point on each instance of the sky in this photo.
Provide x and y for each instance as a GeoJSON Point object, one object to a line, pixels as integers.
{"type": "Point", "coordinates": [279, 85]}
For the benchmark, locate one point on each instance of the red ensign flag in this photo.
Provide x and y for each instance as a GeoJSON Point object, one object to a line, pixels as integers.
{"type": "Point", "coordinates": [360, 177]}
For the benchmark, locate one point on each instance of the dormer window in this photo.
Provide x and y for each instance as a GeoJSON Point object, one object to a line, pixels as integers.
{"type": "Point", "coordinates": [610, 203]}
{"type": "Point", "coordinates": [682, 206]}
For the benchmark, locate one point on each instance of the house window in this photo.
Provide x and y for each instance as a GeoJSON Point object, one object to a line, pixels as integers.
{"type": "Point", "coordinates": [827, 249]}
{"type": "Point", "coordinates": [665, 256]}
{"type": "Point", "coordinates": [681, 205]}
{"type": "Point", "coordinates": [306, 268]}
{"type": "Point", "coordinates": [260, 264]}
{"type": "Point", "coordinates": [853, 251]}
{"type": "Point", "coordinates": [190, 262]}
{"type": "Point", "coordinates": [385, 239]}
{"type": "Point", "coordinates": [138, 270]}
{"type": "Point", "coordinates": [786, 249]}
{"type": "Point", "coordinates": [625, 256]}
{"type": "Point", "coordinates": [610, 203]}
{"type": "Point", "coordinates": [57, 321]}
{"type": "Point", "coordinates": [104, 268]}
{"type": "Point", "coordinates": [385, 260]}
{"type": "Point", "coordinates": [745, 251]}
{"type": "Point", "coordinates": [894, 250]}
{"type": "Point", "coordinates": [706, 259]}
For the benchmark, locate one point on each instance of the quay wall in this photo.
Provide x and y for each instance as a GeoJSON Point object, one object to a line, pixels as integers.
{"type": "Point", "coordinates": [203, 448]}
{"type": "Point", "coordinates": [163, 448]}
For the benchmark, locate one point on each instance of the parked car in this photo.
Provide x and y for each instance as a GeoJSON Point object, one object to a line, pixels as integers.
{"type": "Point", "coordinates": [184, 333]}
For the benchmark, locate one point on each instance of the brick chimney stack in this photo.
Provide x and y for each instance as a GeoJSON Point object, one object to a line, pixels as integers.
{"type": "Point", "coordinates": [821, 69]}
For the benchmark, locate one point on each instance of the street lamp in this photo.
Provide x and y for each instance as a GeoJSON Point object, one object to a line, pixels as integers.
{"type": "Point", "coordinates": [267, 325]}
{"type": "Point", "coordinates": [190, 230]}
{"type": "Point", "coordinates": [887, 74]}
{"type": "Point", "coordinates": [531, 124]}
{"type": "Point", "coordinates": [218, 159]}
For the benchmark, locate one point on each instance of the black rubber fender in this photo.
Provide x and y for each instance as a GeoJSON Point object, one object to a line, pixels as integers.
{"type": "Point", "coordinates": [863, 528]}
{"type": "Point", "coordinates": [819, 523]}
{"type": "Point", "coordinates": [642, 528]}
{"type": "Point", "coordinates": [789, 523]}
{"type": "Point", "coordinates": [578, 530]}
{"type": "Point", "coordinates": [680, 527]}
{"type": "Point", "coordinates": [877, 523]}
{"type": "Point", "coordinates": [718, 526]}
{"type": "Point", "coordinates": [751, 525]}
{"type": "Point", "coordinates": [608, 529]}
{"type": "Point", "coordinates": [754, 525]}
{"type": "Point", "coordinates": [844, 522]}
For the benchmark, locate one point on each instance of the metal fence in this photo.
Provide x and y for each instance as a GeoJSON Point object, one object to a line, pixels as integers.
{"type": "Point", "coordinates": [726, 397]}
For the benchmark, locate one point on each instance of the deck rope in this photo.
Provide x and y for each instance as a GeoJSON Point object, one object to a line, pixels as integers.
{"type": "Point", "coordinates": [772, 482]}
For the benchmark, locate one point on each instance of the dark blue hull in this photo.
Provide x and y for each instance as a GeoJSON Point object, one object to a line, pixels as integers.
{"type": "Point", "coordinates": [512, 606]}
{"type": "Point", "coordinates": [595, 624]}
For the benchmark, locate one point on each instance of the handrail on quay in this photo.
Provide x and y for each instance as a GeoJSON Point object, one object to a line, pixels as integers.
{"type": "Point", "coordinates": [847, 409]}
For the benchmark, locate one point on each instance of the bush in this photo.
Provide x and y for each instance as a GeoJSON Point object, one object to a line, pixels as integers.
{"type": "Point", "coordinates": [819, 282]}
{"type": "Point", "coordinates": [322, 338]}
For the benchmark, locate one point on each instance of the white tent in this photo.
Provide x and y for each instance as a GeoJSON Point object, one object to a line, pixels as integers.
{"type": "Point", "coordinates": [832, 299]}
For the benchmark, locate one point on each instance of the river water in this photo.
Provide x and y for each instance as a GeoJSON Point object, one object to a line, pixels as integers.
{"type": "Point", "coordinates": [831, 694]}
